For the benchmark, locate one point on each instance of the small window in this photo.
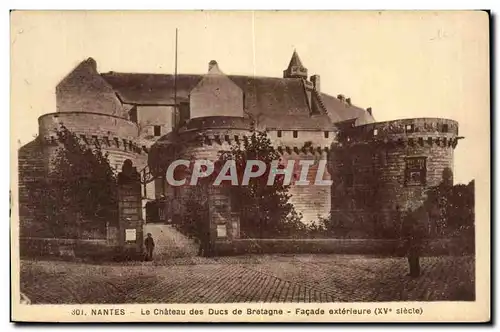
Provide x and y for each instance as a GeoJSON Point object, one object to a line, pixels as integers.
{"type": "Point", "coordinates": [157, 130]}
{"type": "Point", "coordinates": [410, 128]}
{"type": "Point", "coordinates": [133, 114]}
{"type": "Point", "coordinates": [184, 112]}
{"type": "Point", "coordinates": [279, 133]}
{"type": "Point", "coordinates": [295, 134]}
{"type": "Point", "coordinates": [445, 128]}
{"type": "Point", "coordinates": [327, 134]}
{"type": "Point", "coordinates": [416, 171]}
{"type": "Point", "coordinates": [375, 132]}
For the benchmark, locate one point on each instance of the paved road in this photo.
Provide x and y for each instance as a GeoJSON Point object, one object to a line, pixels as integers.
{"type": "Point", "coordinates": [300, 278]}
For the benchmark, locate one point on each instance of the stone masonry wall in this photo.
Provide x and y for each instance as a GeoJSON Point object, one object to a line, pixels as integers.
{"type": "Point", "coordinates": [312, 201]}
{"type": "Point", "coordinates": [31, 171]}
{"type": "Point", "coordinates": [369, 169]}
{"type": "Point", "coordinates": [114, 135]}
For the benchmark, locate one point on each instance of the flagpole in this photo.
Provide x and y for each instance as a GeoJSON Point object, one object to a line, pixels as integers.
{"type": "Point", "coordinates": [176, 113]}
{"type": "Point", "coordinates": [175, 76]}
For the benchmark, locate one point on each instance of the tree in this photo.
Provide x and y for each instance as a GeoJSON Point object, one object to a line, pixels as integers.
{"type": "Point", "coordinates": [81, 194]}
{"type": "Point", "coordinates": [452, 207]}
{"type": "Point", "coordinates": [264, 209]}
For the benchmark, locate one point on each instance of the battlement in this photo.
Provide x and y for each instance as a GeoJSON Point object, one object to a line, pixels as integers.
{"type": "Point", "coordinates": [108, 132]}
{"type": "Point", "coordinates": [224, 131]}
{"type": "Point", "coordinates": [303, 151]}
{"type": "Point", "coordinates": [104, 142]}
{"type": "Point", "coordinates": [437, 131]}
{"type": "Point", "coordinates": [89, 124]}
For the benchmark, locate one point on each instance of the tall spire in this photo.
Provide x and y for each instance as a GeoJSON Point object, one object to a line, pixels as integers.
{"type": "Point", "coordinates": [295, 68]}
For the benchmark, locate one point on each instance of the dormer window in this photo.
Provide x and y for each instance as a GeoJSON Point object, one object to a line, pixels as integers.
{"type": "Point", "coordinates": [184, 112]}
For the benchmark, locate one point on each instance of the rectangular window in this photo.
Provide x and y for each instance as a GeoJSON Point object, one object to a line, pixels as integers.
{"type": "Point", "coordinates": [184, 112]}
{"type": "Point", "coordinates": [375, 132]}
{"type": "Point", "coordinates": [157, 130]}
{"type": "Point", "coordinates": [279, 133]}
{"type": "Point", "coordinates": [410, 128]}
{"type": "Point", "coordinates": [133, 114]}
{"type": "Point", "coordinates": [327, 134]}
{"type": "Point", "coordinates": [416, 171]}
{"type": "Point", "coordinates": [295, 134]}
{"type": "Point", "coordinates": [445, 128]}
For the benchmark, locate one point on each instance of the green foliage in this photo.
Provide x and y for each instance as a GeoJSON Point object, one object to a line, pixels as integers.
{"type": "Point", "coordinates": [81, 192]}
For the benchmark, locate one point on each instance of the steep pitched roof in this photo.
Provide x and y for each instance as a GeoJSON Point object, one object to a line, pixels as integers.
{"type": "Point", "coordinates": [273, 101]}
{"type": "Point", "coordinates": [340, 111]}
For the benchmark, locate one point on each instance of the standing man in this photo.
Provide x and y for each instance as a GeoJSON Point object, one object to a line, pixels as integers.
{"type": "Point", "coordinates": [149, 243]}
{"type": "Point", "coordinates": [413, 232]}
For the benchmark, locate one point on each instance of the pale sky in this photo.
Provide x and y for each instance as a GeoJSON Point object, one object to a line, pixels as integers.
{"type": "Point", "coordinates": [402, 64]}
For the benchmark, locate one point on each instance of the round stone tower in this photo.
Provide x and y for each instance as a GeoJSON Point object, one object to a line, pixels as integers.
{"type": "Point", "coordinates": [202, 138]}
{"type": "Point", "coordinates": [115, 135]}
{"type": "Point", "coordinates": [382, 169]}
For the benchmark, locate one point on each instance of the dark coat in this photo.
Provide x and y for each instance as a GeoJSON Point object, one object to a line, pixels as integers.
{"type": "Point", "coordinates": [414, 225]}
{"type": "Point", "coordinates": [149, 242]}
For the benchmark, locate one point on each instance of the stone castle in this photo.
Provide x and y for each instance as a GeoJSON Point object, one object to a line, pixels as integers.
{"type": "Point", "coordinates": [377, 168]}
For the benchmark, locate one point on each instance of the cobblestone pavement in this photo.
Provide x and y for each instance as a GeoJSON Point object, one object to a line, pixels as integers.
{"type": "Point", "coordinates": [299, 278]}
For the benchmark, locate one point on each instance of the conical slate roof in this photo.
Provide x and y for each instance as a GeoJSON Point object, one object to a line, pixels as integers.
{"type": "Point", "coordinates": [295, 60]}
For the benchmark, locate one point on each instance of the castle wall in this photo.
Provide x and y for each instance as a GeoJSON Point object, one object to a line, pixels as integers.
{"type": "Point", "coordinates": [316, 138]}
{"type": "Point", "coordinates": [312, 201]}
{"type": "Point", "coordinates": [116, 136]}
{"type": "Point", "coordinates": [150, 116]}
{"type": "Point", "coordinates": [31, 170]}
{"type": "Point", "coordinates": [383, 168]}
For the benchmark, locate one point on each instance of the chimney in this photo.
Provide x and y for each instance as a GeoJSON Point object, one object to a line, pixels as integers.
{"type": "Point", "coordinates": [369, 110]}
{"type": "Point", "coordinates": [316, 82]}
{"type": "Point", "coordinates": [341, 97]}
{"type": "Point", "coordinates": [348, 101]}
